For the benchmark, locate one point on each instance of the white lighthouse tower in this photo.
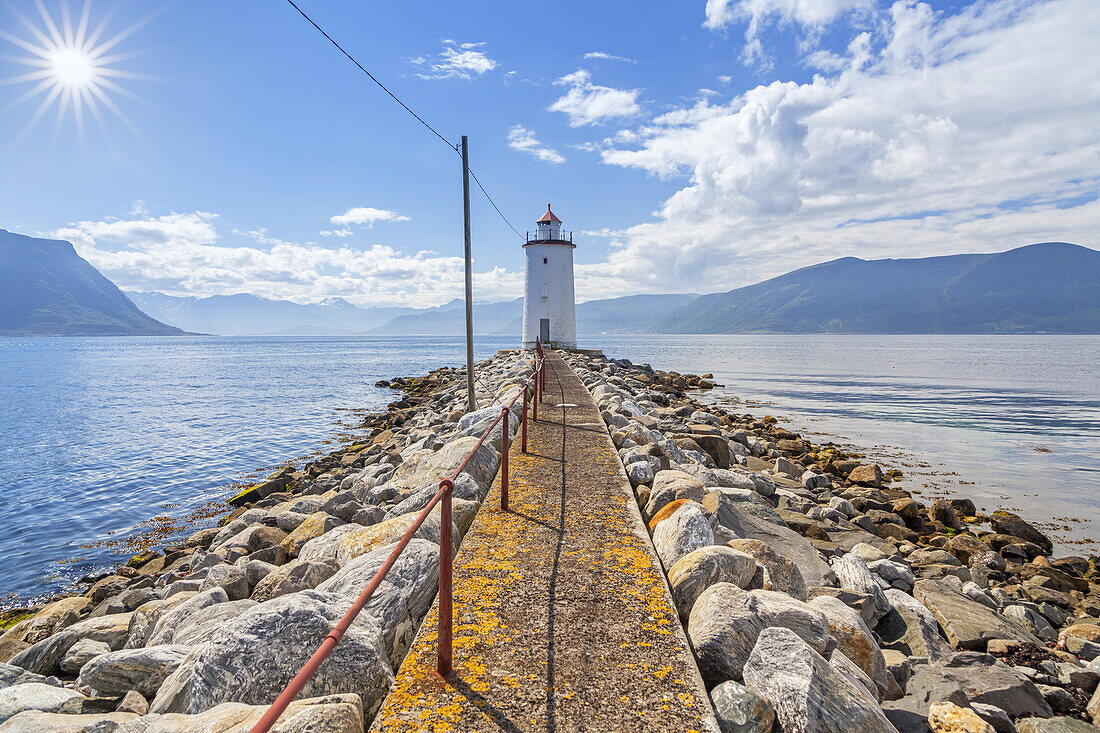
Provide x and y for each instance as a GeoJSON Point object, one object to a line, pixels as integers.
{"type": "Point", "coordinates": [549, 308]}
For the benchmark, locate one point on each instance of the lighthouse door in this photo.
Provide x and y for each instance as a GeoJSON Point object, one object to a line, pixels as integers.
{"type": "Point", "coordinates": [544, 330]}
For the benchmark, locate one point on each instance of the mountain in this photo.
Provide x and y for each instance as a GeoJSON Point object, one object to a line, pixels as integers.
{"type": "Point", "coordinates": [450, 319]}
{"type": "Point", "coordinates": [252, 315]}
{"type": "Point", "coordinates": [47, 289]}
{"type": "Point", "coordinates": [628, 314]}
{"type": "Point", "coordinates": [1049, 287]}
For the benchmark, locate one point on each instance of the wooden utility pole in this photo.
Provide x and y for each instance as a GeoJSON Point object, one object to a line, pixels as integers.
{"type": "Point", "coordinates": [471, 403]}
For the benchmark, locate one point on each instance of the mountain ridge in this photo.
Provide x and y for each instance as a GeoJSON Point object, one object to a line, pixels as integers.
{"type": "Point", "coordinates": [1047, 287]}
{"type": "Point", "coordinates": [47, 289]}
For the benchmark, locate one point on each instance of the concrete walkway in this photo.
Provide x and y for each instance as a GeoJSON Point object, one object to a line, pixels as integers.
{"type": "Point", "coordinates": [562, 618]}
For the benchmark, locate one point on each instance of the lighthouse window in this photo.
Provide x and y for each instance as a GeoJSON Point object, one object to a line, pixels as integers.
{"type": "Point", "coordinates": [545, 260]}
{"type": "Point", "coordinates": [545, 290]}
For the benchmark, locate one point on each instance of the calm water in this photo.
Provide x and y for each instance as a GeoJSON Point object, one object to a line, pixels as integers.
{"type": "Point", "coordinates": [1010, 421]}
{"type": "Point", "coordinates": [97, 436]}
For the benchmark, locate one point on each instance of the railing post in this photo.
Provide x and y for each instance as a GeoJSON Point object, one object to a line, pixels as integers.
{"type": "Point", "coordinates": [446, 619]}
{"type": "Point", "coordinates": [535, 398]}
{"type": "Point", "coordinates": [504, 460]}
{"type": "Point", "coordinates": [523, 422]}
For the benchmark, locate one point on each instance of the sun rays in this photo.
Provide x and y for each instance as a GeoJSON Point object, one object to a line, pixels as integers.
{"type": "Point", "coordinates": [72, 67]}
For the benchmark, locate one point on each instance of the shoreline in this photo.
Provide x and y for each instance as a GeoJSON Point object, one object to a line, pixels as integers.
{"type": "Point", "coordinates": [292, 532]}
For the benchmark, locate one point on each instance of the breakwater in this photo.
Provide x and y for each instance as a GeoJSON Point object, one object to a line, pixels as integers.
{"type": "Point", "coordinates": [780, 555]}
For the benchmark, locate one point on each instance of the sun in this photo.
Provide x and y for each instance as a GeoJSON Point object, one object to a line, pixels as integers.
{"type": "Point", "coordinates": [72, 65]}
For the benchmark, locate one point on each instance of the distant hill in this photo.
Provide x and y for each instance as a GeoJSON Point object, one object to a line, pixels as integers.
{"type": "Point", "coordinates": [628, 314]}
{"type": "Point", "coordinates": [47, 289]}
{"type": "Point", "coordinates": [1041, 288]}
{"type": "Point", "coordinates": [251, 315]}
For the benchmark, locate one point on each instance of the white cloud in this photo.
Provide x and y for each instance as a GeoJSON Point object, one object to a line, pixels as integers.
{"type": "Point", "coordinates": [520, 138]}
{"type": "Point", "coordinates": [940, 133]}
{"type": "Point", "coordinates": [183, 254]}
{"type": "Point", "coordinates": [363, 215]}
{"type": "Point", "coordinates": [602, 56]}
{"type": "Point", "coordinates": [586, 103]}
{"type": "Point", "coordinates": [455, 61]}
{"type": "Point", "coordinates": [811, 15]}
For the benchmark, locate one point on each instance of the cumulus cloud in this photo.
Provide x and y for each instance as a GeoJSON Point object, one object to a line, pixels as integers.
{"type": "Point", "coordinates": [184, 254]}
{"type": "Point", "coordinates": [520, 138]}
{"type": "Point", "coordinates": [938, 133]}
{"type": "Point", "coordinates": [811, 15]}
{"type": "Point", "coordinates": [455, 61]}
{"type": "Point", "coordinates": [365, 215]}
{"type": "Point", "coordinates": [586, 103]}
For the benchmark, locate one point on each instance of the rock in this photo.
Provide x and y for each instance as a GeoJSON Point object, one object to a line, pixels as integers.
{"type": "Point", "coordinates": [254, 537]}
{"type": "Point", "coordinates": [32, 696]}
{"type": "Point", "coordinates": [687, 530]}
{"type": "Point", "coordinates": [12, 675]}
{"type": "Point", "coordinates": [143, 670]}
{"type": "Point", "coordinates": [401, 601]}
{"type": "Point", "coordinates": [667, 511]}
{"type": "Point", "coordinates": [783, 541]}
{"type": "Point", "coordinates": [1011, 524]}
{"type": "Point", "coordinates": [166, 626]}
{"type": "Point", "coordinates": [927, 685]}
{"type": "Point", "coordinates": [853, 574]}
{"type": "Point", "coordinates": [428, 468]}
{"type": "Point", "coordinates": [779, 573]}
{"type": "Point", "coordinates": [856, 642]}
{"type": "Point", "coordinates": [941, 511]}
{"type": "Point", "coordinates": [698, 570]}
{"type": "Point", "coordinates": [1086, 631]}
{"type": "Point", "coordinates": [56, 616]}
{"type": "Point", "coordinates": [253, 656]}
{"type": "Point", "coordinates": [1054, 725]}
{"type": "Point", "coordinates": [740, 710]}
{"type": "Point", "coordinates": [133, 702]}
{"type": "Point", "coordinates": [984, 679]}
{"type": "Point", "coordinates": [33, 721]}
{"type": "Point", "coordinates": [966, 547]}
{"type": "Point", "coordinates": [1031, 620]}
{"type": "Point", "coordinates": [365, 539]}
{"type": "Point", "coordinates": [671, 485]}
{"type": "Point", "coordinates": [639, 473]}
{"type": "Point", "coordinates": [81, 653]}
{"type": "Point", "coordinates": [946, 717]}
{"type": "Point", "coordinates": [315, 525]}
{"type": "Point", "coordinates": [994, 716]}
{"type": "Point", "coordinates": [866, 475]}
{"type": "Point", "coordinates": [293, 577]}
{"type": "Point", "coordinates": [44, 656]}
{"type": "Point", "coordinates": [967, 623]}
{"type": "Point", "coordinates": [911, 628]}
{"type": "Point", "coordinates": [338, 713]}
{"type": "Point", "coordinates": [726, 620]}
{"type": "Point", "coordinates": [229, 578]}
{"type": "Point", "coordinates": [788, 469]}
{"type": "Point", "coordinates": [807, 694]}
{"type": "Point", "coordinates": [145, 618]}
{"type": "Point", "coordinates": [327, 545]}
{"type": "Point", "coordinates": [200, 625]}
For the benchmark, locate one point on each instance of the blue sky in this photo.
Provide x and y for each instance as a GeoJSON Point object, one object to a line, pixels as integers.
{"type": "Point", "coordinates": [694, 146]}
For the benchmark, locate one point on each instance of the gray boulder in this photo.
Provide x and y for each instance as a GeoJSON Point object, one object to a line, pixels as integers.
{"type": "Point", "coordinates": [807, 694]}
{"type": "Point", "coordinates": [668, 486]}
{"type": "Point", "coordinates": [44, 657]}
{"type": "Point", "coordinates": [740, 710]}
{"type": "Point", "coordinates": [12, 675]}
{"type": "Point", "coordinates": [685, 531]}
{"type": "Point", "coordinates": [967, 623]}
{"type": "Point", "coordinates": [167, 624]}
{"type": "Point", "coordinates": [726, 620]}
{"type": "Point", "coordinates": [253, 656]}
{"type": "Point", "coordinates": [403, 598]}
{"type": "Point", "coordinates": [856, 642]}
{"type": "Point", "coordinates": [144, 670]}
{"type": "Point", "coordinates": [81, 653]}
{"type": "Point", "coordinates": [777, 573]}
{"type": "Point", "coordinates": [201, 625]}
{"type": "Point", "coordinates": [33, 696]}
{"type": "Point", "coordinates": [853, 574]}
{"type": "Point", "coordinates": [301, 574]}
{"type": "Point", "coordinates": [698, 570]}
{"type": "Point", "coordinates": [911, 628]}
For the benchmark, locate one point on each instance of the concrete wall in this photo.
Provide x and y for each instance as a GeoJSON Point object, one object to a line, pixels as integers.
{"type": "Point", "coordinates": [554, 277]}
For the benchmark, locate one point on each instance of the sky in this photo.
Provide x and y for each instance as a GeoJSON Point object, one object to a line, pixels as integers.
{"type": "Point", "coordinates": [692, 146]}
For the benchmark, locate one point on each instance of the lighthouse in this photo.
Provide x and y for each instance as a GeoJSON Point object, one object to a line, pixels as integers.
{"type": "Point", "coordinates": [549, 309]}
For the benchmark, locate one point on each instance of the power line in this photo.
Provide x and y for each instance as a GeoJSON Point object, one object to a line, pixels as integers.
{"type": "Point", "coordinates": [502, 216]}
{"type": "Point", "coordinates": [408, 109]}
{"type": "Point", "coordinates": [380, 84]}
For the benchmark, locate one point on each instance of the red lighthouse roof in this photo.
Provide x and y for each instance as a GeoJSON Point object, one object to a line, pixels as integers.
{"type": "Point", "coordinates": [548, 217]}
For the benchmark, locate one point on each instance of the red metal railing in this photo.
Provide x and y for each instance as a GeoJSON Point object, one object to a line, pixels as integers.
{"type": "Point", "coordinates": [533, 388]}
